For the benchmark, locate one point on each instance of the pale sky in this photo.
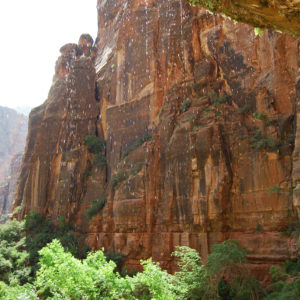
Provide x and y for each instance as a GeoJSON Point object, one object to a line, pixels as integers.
{"type": "Point", "coordinates": [32, 31]}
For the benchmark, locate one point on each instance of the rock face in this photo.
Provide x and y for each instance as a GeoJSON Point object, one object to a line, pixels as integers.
{"type": "Point", "coordinates": [13, 131]}
{"type": "Point", "coordinates": [269, 14]}
{"type": "Point", "coordinates": [7, 191]}
{"type": "Point", "coordinates": [220, 105]}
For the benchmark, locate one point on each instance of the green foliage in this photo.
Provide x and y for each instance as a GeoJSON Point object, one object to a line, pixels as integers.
{"type": "Point", "coordinates": [14, 259]}
{"type": "Point", "coordinates": [40, 232]}
{"type": "Point", "coordinates": [228, 261]}
{"type": "Point", "coordinates": [275, 189]}
{"type": "Point", "coordinates": [259, 228]}
{"type": "Point", "coordinates": [99, 160]}
{"type": "Point", "coordinates": [96, 207]}
{"type": "Point", "coordinates": [94, 144]}
{"type": "Point", "coordinates": [192, 277]}
{"type": "Point", "coordinates": [258, 31]}
{"type": "Point", "coordinates": [292, 229]}
{"type": "Point", "coordinates": [117, 257]}
{"type": "Point", "coordinates": [216, 100]}
{"type": "Point", "coordinates": [13, 292]}
{"type": "Point", "coordinates": [62, 276]}
{"type": "Point", "coordinates": [259, 141]}
{"type": "Point", "coordinates": [152, 283]}
{"type": "Point", "coordinates": [87, 172]}
{"type": "Point", "coordinates": [286, 283]}
{"type": "Point", "coordinates": [260, 115]}
{"type": "Point", "coordinates": [185, 105]}
{"type": "Point", "coordinates": [135, 145]}
{"type": "Point", "coordinates": [118, 178]}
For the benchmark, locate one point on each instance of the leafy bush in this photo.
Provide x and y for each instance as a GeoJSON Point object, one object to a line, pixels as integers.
{"type": "Point", "coordinates": [62, 276]}
{"type": "Point", "coordinates": [14, 259]}
{"type": "Point", "coordinates": [96, 207]}
{"type": "Point", "coordinates": [117, 257]}
{"type": "Point", "coordinates": [259, 141]}
{"type": "Point", "coordinates": [94, 144]}
{"type": "Point", "coordinates": [227, 266]}
{"type": "Point", "coordinates": [13, 292]}
{"type": "Point", "coordinates": [260, 115]}
{"type": "Point", "coordinates": [117, 179]}
{"type": "Point", "coordinates": [192, 277]}
{"type": "Point", "coordinates": [216, 100]}
{"type": "Point", "coordinates": [136, 144]}
{"type": "Point", "coordinates": [286, 282]}
{"type": "Point", "coordinates": [99, 160]}
{"type": "Point", "coordinates": [41, 231]}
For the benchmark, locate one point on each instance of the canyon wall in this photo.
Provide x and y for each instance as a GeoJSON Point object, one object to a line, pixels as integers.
{"type": "Point", "coordinates": [13, 131]}
{"type": "Point", "coordinates": [220, 106]}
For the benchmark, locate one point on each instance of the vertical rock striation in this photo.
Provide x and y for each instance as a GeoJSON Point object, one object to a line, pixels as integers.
{"type": "Point", "coordinates": [220, 106]}
{"type": "Point", "coordinates": [13, 130]}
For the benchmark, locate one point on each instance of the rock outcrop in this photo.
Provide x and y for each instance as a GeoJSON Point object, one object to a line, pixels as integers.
{"type": "Point", "coordinates": [265, 14]}
{"type": "Point", "coordinates": [220, 106]}
{"type": "Point", "coordinates": [13, 131]}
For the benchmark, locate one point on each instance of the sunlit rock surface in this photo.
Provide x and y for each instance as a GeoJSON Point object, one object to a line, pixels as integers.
{"type": "Point", "coordinates": [282, 15]}
{"type": "Point", "coordinates": [216, 167]}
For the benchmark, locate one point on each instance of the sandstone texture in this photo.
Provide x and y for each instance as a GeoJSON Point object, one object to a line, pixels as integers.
{"type": "Point", "coordinates": [13, 131]}
{"type": "Point", "coordinates": [221, 107]}
{"type": "Point", "coordinates": [282, 15]}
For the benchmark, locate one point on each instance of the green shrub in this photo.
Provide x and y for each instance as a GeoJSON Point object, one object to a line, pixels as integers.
{"type": "Point", "coordinates": [192, 277]}
{"type": "Point", "coordinates": [62, 276]}
{"type": "Point", "coordinates": [135, 145]}
{"type": "Point", "coordinates": [94, 144]}
{"type": "Point", "coordinates": [96, 207]}
{"type": "Point", "coordinates": [275, 189]}
{"type": "Point", "coordinates": [14, 258]}
{"type": "Point", "coordinates": [228, 262]}
{"type": "Point", "coordinates": [117, 179]}
{"type": "Point", "coordinates": [87, 172]}
{"type": "Point", "coordinates": [259, 228]}
{"type": "Point", "coordinates": [117, 257]}
{"type": "Point", "coordinates": [41, 231]}
{"type": "Point", "coordinates": [286, 283]}
{"type": "Point", "coordinates": [185, 105]}
{"type": "Point", "coordinates": [259, 141]}
{"type": "Point", "coordinates": [260, 115]}
{"type": "Point", "coordinates": [216, 100]}
{"type": "Point", "coordinates": [99, 160]}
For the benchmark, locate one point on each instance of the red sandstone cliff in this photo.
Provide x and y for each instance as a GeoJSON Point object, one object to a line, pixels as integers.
{"type": "Point", "coordinates": [216, 167]}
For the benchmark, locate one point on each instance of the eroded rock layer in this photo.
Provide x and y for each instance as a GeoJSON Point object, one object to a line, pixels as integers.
{"type": "Point", "coordinates": [220, 106]}
{"type": "Point", "coordinates": [13, 131]}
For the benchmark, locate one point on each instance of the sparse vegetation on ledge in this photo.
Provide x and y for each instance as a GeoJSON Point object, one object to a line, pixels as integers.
{"type": "Point", "coordinates": [135, 145]}
{"type": "Point", "coordinates": [96, 207]}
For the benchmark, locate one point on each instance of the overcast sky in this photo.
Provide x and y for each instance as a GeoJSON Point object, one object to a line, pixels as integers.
{"type": "Point", "coordinates": [32, 32]}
